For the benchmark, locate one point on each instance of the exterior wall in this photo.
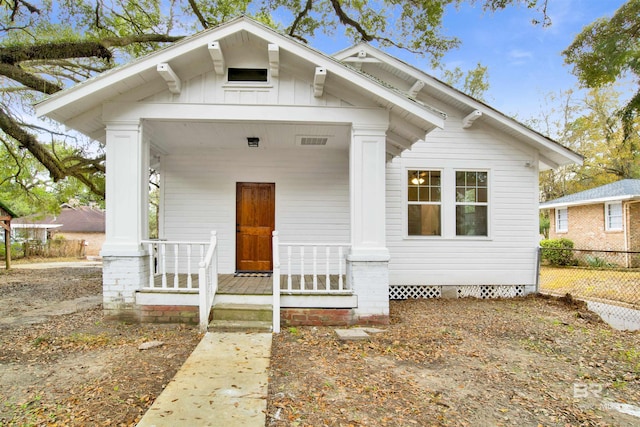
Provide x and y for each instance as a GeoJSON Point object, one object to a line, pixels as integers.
{"type": "Point", "coordinates": [312, 195]}
{"type": "Point", "coordinates": [586, 228]}
{"type": "Point", "coordinates": [94, 241]}
{"type": "Point", "coordinates": [508, 255]}
{"type": "Point", "coordinates": [287, 89]}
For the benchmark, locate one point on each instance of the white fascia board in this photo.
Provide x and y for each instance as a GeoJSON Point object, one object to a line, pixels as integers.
{"type": "Point", "coordinates": [461, 97]}
{"type": "Point", "coordinates": [200, 41]}
{"type": "Point", "coordinates": [590, 202]}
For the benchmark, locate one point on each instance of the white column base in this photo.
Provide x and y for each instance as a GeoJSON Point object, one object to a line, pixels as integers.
{"type": "Point", "coordinates": [122, 276]}
{"type": "Point", "coordinates": [369, 280]}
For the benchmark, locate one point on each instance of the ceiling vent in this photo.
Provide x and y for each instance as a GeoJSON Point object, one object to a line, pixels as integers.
{"type": "Point", "coordinates": [313, 140]}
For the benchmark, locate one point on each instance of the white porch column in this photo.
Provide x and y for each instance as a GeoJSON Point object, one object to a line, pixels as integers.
{"type": "Point", "coordinates": [125, 267]}
{"type": "Point", "coordinates": [367, 262]}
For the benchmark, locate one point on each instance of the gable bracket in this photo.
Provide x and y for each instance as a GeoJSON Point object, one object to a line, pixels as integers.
{"type": "Point", "coordinates": [417, 87]}
{"type": "Point", "coordinates": [470, 118]}
{"type": "Point", "coordinates": [318, 81]}
{"type": "Point", "coordinates": [274, 59]}
{"type": "Point", "coordinates": [217, 57]}
{"type": "Point", "coordinates": [398, 140]}
{"type": "Point", "coordinates": [392, 149]}
{"type": "Point", "coordinates": [169, 76]}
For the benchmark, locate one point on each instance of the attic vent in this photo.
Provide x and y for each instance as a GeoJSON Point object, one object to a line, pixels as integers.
{"type": "Point", "coordinates": [313, 140]}
{"type": "Point", "coordinates": [247, 74]}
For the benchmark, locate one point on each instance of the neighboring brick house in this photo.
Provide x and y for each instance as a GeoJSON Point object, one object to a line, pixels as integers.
{"type": "Point", "coordinates": [73, 223]}
{"type": "Point", "coordinates": [602, 218]}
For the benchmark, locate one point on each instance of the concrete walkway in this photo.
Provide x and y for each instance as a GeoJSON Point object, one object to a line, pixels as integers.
{"type": "Point", "coordinates": [223, 383]}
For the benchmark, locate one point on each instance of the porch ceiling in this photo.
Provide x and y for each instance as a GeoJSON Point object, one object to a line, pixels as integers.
{"type": "Point", "coordinates": [169, 136]}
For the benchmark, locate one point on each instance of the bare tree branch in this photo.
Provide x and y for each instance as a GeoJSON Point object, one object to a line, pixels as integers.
{"type": "Point", "coordinates": [304, 12]}
{"type": "Point", "coordinates": [28, 141]}
{"type": "Point", "coordinates": [198, 14]}
{"type": "Point", "coordinates": [29, 80]}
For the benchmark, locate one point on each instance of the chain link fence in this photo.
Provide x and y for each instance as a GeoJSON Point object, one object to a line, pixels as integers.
{"type": "Point", "coordinates": [609, 281]}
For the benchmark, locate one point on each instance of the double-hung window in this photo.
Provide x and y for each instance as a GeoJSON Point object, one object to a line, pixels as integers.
{"type": "Point", "coordinates": [613, 216]}
{"type": "Point", "coordinates": [472, 203]}
{"type": "Point", "coordinates": [562, 220]}
{"type": "Point", "coordinates": [424, 203]}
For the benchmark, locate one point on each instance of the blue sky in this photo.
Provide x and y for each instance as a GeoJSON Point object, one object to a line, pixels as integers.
{"type": "Point", "coordinates": [524, 61]}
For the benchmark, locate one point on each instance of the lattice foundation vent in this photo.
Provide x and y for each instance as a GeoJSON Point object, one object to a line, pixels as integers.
{"type": "Point", "coordinates": [490, 291]}
{"type": "Point", "coordinates": [414, 291]}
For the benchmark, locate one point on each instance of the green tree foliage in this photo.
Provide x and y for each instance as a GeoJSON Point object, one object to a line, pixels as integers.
{"type": "Point", "coordinates": [591, 127]}
{"type": "Point", "coordinates": [475, 83]}
{"type": "Point", "coordinates": [608, 50]}
{"type": "Point", "coordinates": [47, 46]}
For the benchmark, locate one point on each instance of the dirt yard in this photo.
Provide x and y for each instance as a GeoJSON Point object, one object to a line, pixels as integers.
{"type": "Point", "coordinates": [61, 365]}
{"type": "Point", "coordinates": [524, 362]}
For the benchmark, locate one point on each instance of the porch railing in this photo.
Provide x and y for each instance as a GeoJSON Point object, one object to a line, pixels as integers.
{"type": "Point", "coordinates": [208, 281]}
{"type": "Point", "coordinates": [173, 265]}
{"type": "Point", "coordinates": [309, 268]}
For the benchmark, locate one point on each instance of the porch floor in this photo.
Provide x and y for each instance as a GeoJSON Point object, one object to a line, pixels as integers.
{"type": "Point", "coordinates": [230, 284]}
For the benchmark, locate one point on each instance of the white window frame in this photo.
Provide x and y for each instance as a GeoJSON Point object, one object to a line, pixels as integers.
{"type": "Point", "coordinates": [407, 202]}
{"type": "Point", "coordinates": [488, 204]}
{"type": "Point", "coordinates": [566, 220]}
{"type": "Point", "coordinates": [608, 216]}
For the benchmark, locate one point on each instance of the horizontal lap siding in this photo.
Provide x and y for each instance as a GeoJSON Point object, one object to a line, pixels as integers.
{"type": "Point", "coordinates": [509, 255]}
{"type": "Point", "coordinates": [312, 194]}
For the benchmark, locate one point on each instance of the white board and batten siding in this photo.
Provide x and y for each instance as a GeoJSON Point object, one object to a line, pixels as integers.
{"type": "Point", "coordinates": [311, 186]}
{"type": "Point", "coordinates": [508, 255]}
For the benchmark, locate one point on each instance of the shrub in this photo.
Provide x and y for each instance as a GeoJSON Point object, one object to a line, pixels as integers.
{"type": "Point", "coordinates": [16, 251]}
{"type": "Point", "coordinates": [557, 251]}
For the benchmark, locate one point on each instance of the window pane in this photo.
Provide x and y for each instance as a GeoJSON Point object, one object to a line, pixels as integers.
{"type": "Point", "coordinates": [482, 179]}
{"type": "Point", "coordinates": [614, 216]}
{"type": "Point", "coordinates": [435, 194]}
{"type": "Point", "coordinates": [435, 178]}
{"type": "Point", "coordinates": [460, 179]}
{"type": "Point", "coordinates": [562, 220]}
{"type": "Point", "coordinates": [482, 195]}
{"type": "Point", "coordinates": [471, 220]}
{"type": "Point", "coordinates": [424, 220]}
{"type": "Point", "coordinates": [413, 194]}
{"type": "Point", "coordinates": [471, 179]}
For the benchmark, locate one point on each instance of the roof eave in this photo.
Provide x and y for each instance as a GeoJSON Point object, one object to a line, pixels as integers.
{"type": "Point", "coordinates": [557, 154]}
{"type": "Point", "coordinates": [590, 201]}
{"type": "Point", "coordinates": [53, 106]}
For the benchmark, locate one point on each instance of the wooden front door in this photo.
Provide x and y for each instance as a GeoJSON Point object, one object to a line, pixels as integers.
{"type": "Point", "coordinates": [255, 221]}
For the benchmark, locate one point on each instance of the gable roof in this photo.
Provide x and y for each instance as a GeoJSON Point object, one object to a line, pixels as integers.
{"type": "Point", "coordinates": [81, 219]}
{"type": "Point", "coordinates": [80, 107]}
{"type": "Point", "coordinates": [552, 154]}
{"type": "Point", "coordinates": [626, 189]}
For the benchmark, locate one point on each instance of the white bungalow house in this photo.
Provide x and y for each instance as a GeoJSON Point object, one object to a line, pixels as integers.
{"type": "Point", "coordinates": [378, 180]}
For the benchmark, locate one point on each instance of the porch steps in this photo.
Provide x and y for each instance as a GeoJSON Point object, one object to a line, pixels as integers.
{"type": "Point", "coordinates": [231, 317]}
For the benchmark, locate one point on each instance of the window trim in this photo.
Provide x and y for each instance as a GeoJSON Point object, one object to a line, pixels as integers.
{"type": "Point", "coordinates": [607, 217]}
{"type": "Point", "coordinates": [407, 202]}
{"type": "Point", "coordinates": [566, 220]}
{"type": "Point", "coordinates": [488, 204]}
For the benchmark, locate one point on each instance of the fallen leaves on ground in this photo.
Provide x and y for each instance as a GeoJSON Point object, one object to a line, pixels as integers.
{"type": "Point", "coordinates": [461, 362]}
{"type": "Point", "coordinates": [76, 369]}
